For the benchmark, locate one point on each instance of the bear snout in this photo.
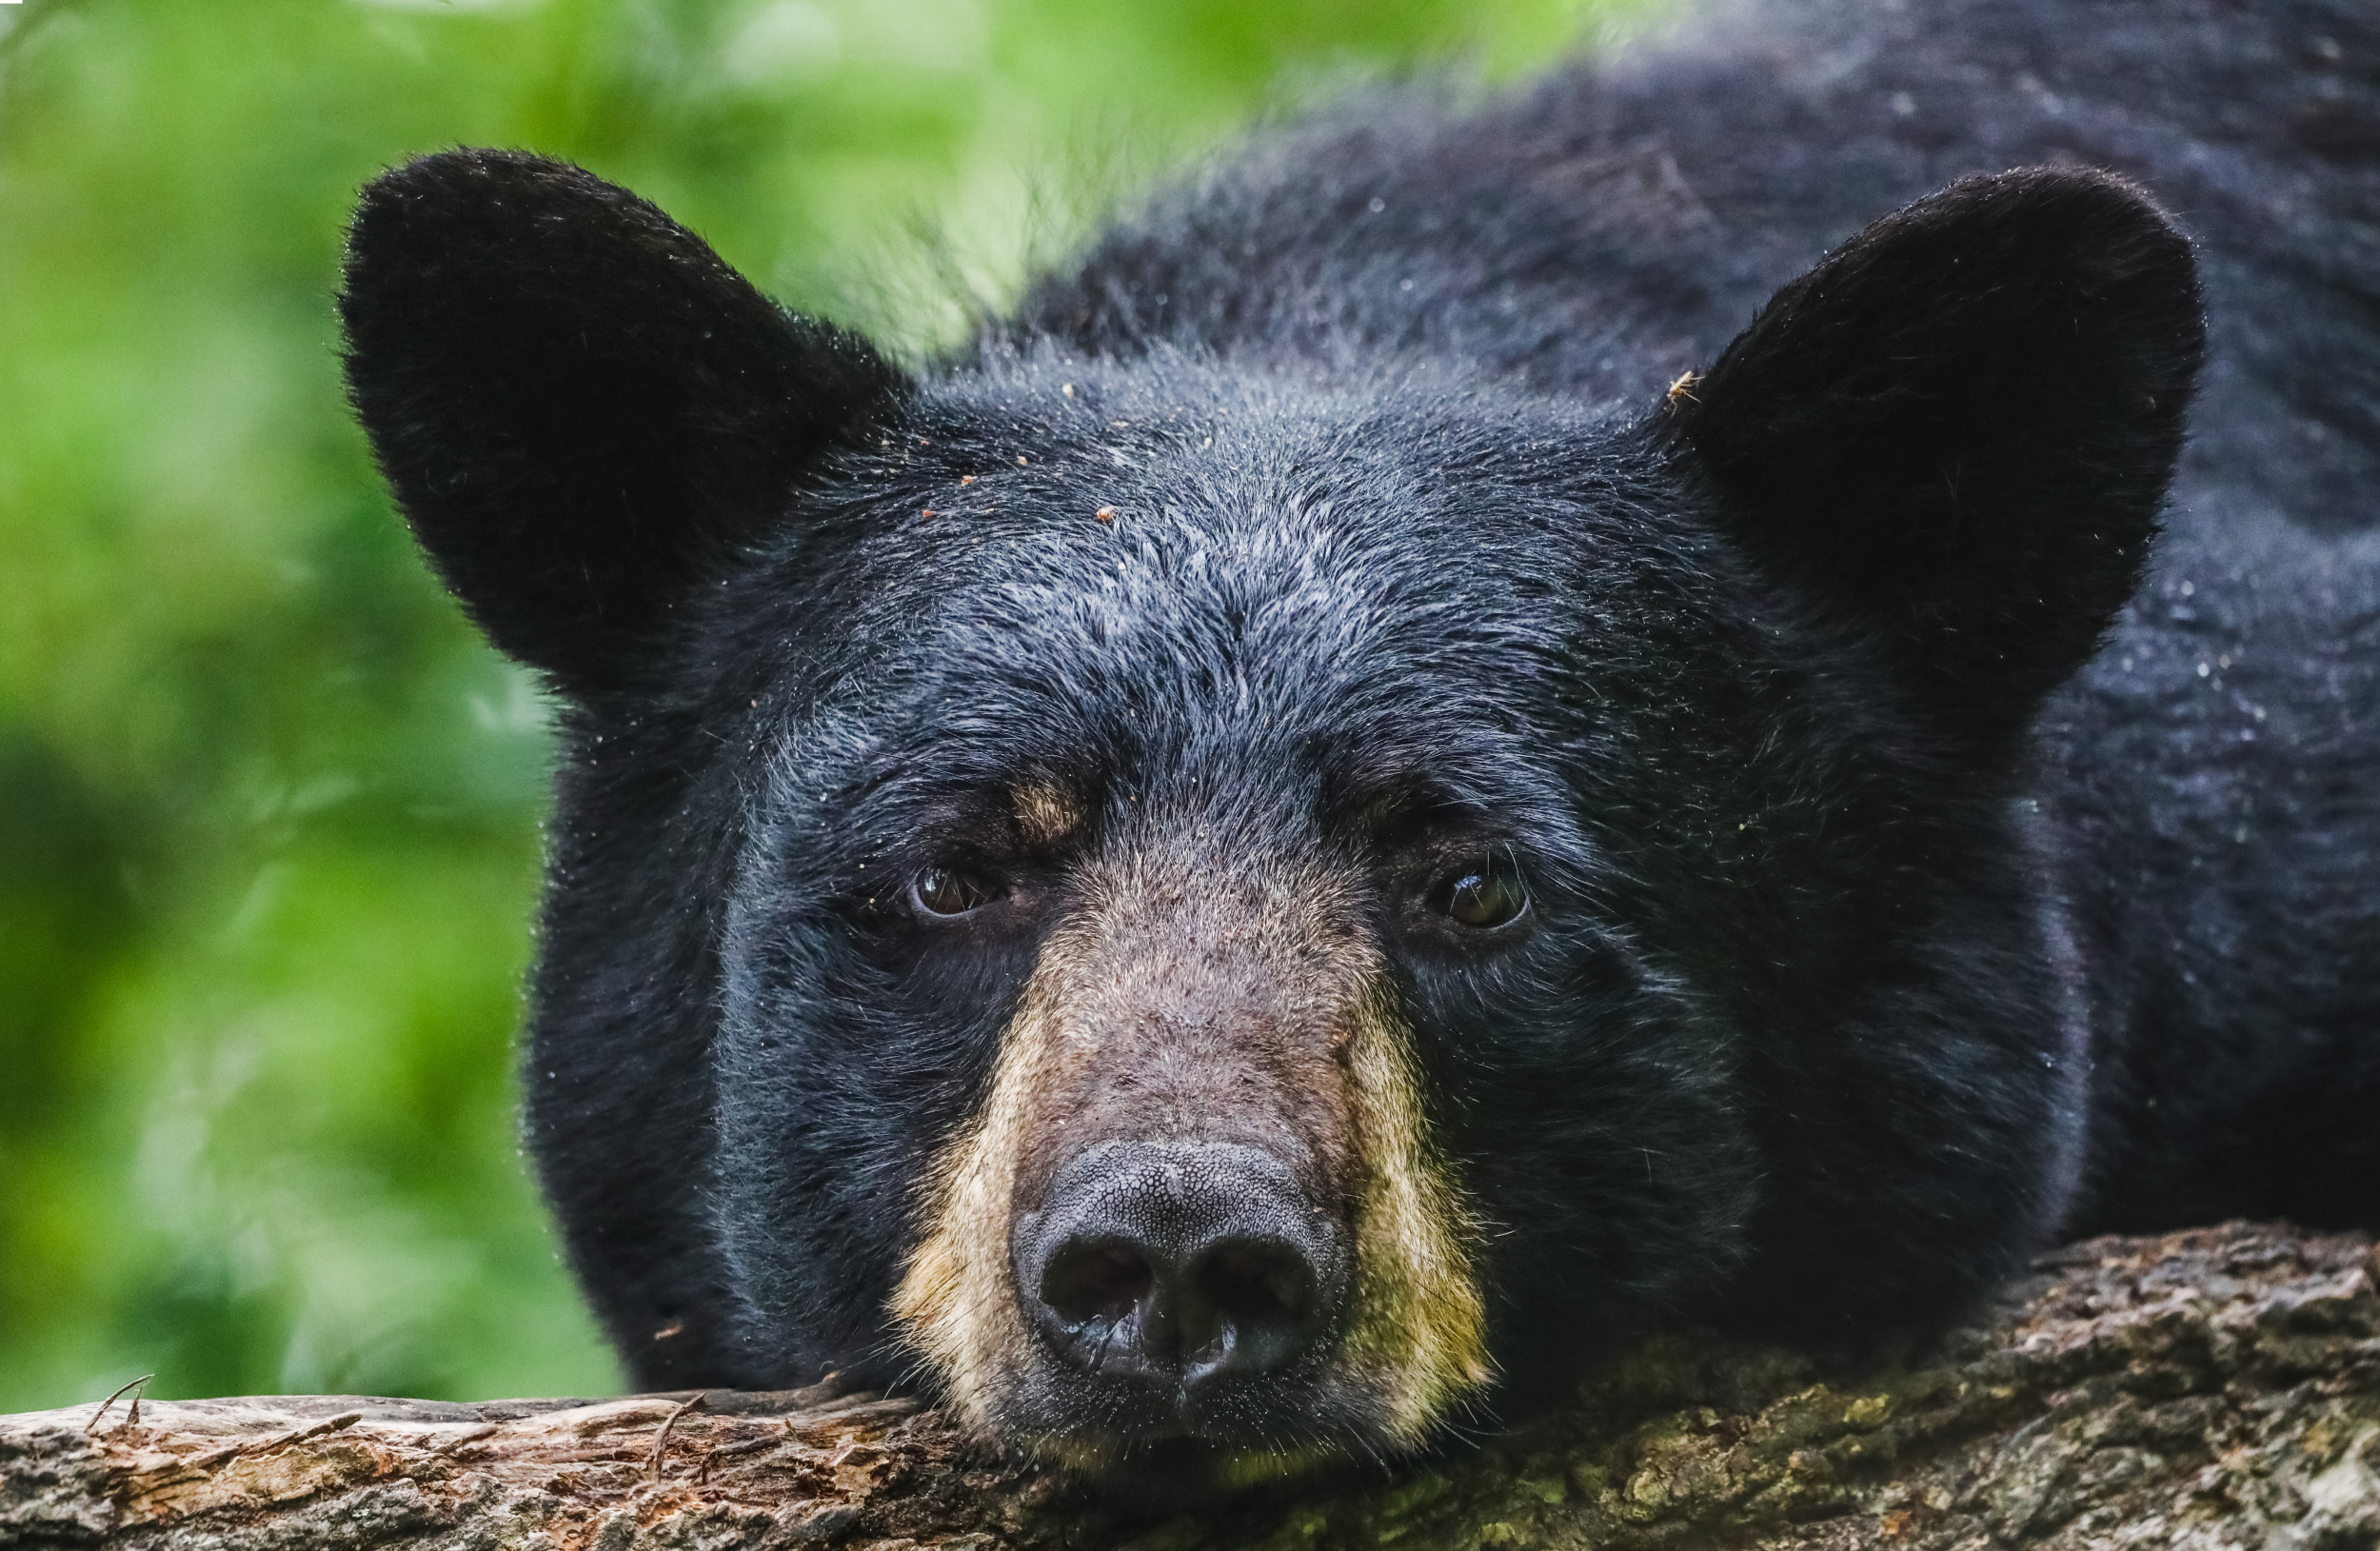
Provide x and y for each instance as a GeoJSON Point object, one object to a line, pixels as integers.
{"type": "Point", "coordinates": [1198, 1200]}
{"type": "Point", "coordinates": [1181, 1267]}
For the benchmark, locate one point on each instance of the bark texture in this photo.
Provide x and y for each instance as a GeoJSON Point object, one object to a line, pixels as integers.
{"type": "Point", "coordinates": [2214, 1388]}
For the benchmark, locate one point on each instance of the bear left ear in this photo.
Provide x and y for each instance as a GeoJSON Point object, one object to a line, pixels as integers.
{"type": "Point", "coordinates": [1955, 433]}
{"type": "Point", "coordinates": [581, 407]}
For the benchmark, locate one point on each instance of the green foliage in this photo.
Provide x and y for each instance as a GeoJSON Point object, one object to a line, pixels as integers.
{"type": "Point", "coordinates": [267, 810]}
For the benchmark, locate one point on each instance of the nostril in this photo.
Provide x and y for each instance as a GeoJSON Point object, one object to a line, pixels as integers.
{"type": "Point", "coordinates": [1257, 1282]}
{"type": "Point", "coordinates": [1096, 1279]}
{"type": "Point", "coordinates": [1264, 1297]}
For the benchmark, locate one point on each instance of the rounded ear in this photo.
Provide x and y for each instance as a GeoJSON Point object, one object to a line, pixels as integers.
{"type": "Point", "coordinates": [1955, 433]}
{"type": "Point", "coordinates": [580, 407]}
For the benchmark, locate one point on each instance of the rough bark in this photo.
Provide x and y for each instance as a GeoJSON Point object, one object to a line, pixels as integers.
{"type": "Point", "coordinates": [2212, 1388]}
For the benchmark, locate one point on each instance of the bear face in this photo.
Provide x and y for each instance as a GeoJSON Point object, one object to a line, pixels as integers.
{"type": "Point", "coordinates": [1236, 911]}
{"type": "Point", "coordinates": [1207, 838]}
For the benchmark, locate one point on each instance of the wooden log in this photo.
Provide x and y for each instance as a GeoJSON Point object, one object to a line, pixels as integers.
{"type": "Point", "coordinates": [2213, 1388]}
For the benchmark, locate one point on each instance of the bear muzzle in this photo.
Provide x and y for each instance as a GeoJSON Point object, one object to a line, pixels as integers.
{"type": "Point", "coordinates": [1197, 1202]}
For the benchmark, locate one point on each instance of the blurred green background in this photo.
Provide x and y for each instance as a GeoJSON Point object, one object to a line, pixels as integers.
{"type": "Point", "coordinates": [268, 812]}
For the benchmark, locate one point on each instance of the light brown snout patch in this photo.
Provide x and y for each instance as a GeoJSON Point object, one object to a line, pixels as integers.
{"type": "Point", "coordinates": [1418, 1336]}
{"type": "Point", "coordinates": [1175, 1004]}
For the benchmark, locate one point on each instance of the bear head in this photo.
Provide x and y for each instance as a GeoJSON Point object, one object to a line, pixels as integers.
{"type": "Point", "coordinates": [1224, 910]}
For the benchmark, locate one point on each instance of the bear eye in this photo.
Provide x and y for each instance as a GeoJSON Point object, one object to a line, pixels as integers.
{"type": "Point", "coordinates": [1486, 897]}
{"type": "Point", "coordinates": [943, 891]}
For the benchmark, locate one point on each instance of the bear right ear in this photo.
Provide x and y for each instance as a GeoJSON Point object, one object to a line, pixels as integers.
{"type": "Point", "coordinates": [580, 407]}
{"type": "Point", "coordinates": [1953, 436]}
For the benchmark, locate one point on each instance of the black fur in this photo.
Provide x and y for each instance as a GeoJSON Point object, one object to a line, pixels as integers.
{"type": "Point", "coordinates": [1888, 923]}
{"type": "Point", "coordinates": [579, 407]}
{"type": "Point", "coordinates": [1956, 432]}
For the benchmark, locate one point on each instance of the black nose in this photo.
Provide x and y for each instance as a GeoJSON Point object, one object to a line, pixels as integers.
{"type": "Point", "coordinates": [1181, 1263]}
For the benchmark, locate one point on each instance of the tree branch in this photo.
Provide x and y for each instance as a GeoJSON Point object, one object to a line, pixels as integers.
{"type": "Point", "coordinates": [2212, 1388]}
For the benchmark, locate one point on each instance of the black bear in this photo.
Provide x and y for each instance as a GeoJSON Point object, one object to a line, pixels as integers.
{"type": "Point", "coordinates": [1477, 732]}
